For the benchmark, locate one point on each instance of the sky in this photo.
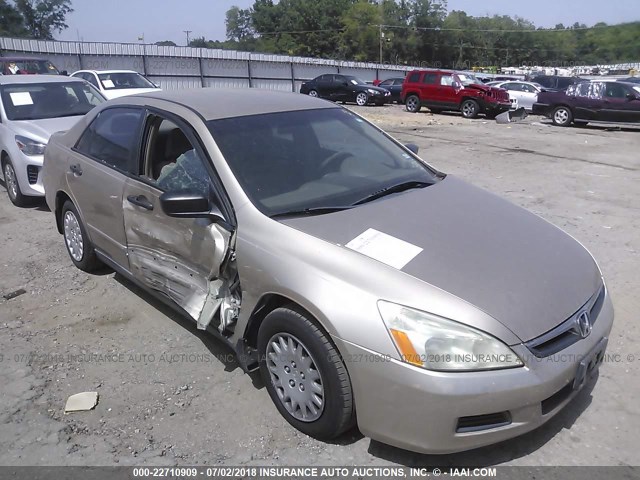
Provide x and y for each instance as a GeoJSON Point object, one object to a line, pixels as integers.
{"type": "Point", "coordinates": [127, 20]}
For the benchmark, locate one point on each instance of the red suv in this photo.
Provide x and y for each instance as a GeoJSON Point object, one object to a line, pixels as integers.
{"type": "Point", "coordinates": [441, 90]}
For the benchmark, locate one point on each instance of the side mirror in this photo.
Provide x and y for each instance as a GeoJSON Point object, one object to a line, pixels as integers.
{"type": "Point", "coordinates": [413, 147]}
{"type": "Point", "coordinates": [632, 96]}
{"type": "Point", "coordinates": [456, 85]}
{"type": "Point", "coordinates": [189, 204]}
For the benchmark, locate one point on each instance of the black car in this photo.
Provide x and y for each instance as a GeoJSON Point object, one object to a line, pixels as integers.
{"type": "Point", "coordinates": [394, 85]}
{"type": "Point", "coordinates": [596, 101]}
{"type": "Point", "coordinates": [555, 83]}
{"type": "Point", "coordinates": [345, 88]}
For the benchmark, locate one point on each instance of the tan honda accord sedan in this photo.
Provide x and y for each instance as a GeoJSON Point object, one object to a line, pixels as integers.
{"type": "Point", "coordinates": [365, 285]}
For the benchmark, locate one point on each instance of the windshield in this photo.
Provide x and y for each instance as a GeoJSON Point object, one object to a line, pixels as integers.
{"type": "Point", "coordinates": [28, 67]}
{"type": "Point", "coordinates": [467, 79]}
{"type": "Point", "coordinates": [115, 81]}
{"type": "Point", "coordinates": [33, 101]}
{"type": "Point", "coordinates": [355, 81]}
{"type": "Point", "coordinates": [313, 159]}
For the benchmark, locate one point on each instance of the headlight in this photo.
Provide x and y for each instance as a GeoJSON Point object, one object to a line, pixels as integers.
{"type": "Point", "coordinates": [30, 147]}
{"type": "Point", "coordinates": [372, 91]}
{"type": "Point", "coordinates": [435, 343]}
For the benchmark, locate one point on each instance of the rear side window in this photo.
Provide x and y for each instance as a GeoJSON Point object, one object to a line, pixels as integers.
{"type": "Point", "coordinates": [414, 77]}
{"type": "Point", "coordinates": [430, 78]}
{"type": "Point", "coordinates": [546, 82]}
{"type": "Point", "coordinates": [113, 137]}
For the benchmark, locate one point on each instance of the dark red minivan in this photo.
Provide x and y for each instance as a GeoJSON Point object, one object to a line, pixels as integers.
{"type": "Point", "coordinates": [441, 90]}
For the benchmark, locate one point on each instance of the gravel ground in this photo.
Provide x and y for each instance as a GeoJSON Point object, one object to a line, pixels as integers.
{"type": "Point", "coordinates": [172, 395]}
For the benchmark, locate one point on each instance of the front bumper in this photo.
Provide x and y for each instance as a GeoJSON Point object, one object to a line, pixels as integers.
{"type": "Point", "coordinates": [497, 108]}
{"type": "Point", "coordinates": [420, 410]}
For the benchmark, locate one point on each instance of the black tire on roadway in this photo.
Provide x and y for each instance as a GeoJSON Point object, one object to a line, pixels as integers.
{"type": "Point", "coordinates": [11, 183]}
{"type": "Point", "coordinates": [412, 104]}
{"type": "Point", "coordinates": [76, 241]}
{"type": "Point", "coordinates": [562, 116]}
{"type": "Point", "coordinates": [286, 377]}
{"type": "Point", "coordinates": [470, 108]}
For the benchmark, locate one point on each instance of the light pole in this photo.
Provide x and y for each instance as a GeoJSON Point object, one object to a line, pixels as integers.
{"type": "Point", "coordinates": [187, 32]}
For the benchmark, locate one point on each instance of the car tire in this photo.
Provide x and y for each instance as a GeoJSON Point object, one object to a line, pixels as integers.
{"type": "Point", "coordinates": [412, 104]}
{"type": "Point", "coordinates": [286, 338]}
{"type": "Point", "coordinates": [562, 116]}
{"type": "Point", "coordinates": [470, 109]}
{"type": "Point", "coordinates": [76, 241]}
{"type": "Point", "coordinates": [362, 99]}
{"type": "Point", "coordinates": [11, 183]}
{"type": "Point", "coordinates": [314, 93]}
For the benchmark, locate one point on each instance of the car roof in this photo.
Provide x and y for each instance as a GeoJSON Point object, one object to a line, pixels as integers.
{"type": "Point", "coordinates": [219, 103]}
{"type": "Point", "coordinates": [24, 79]}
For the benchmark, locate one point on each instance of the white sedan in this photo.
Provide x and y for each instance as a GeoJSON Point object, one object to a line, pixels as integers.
{"type": "Point", "coordinates": [117, 83]}
{"type": "Point", "coordinates": [521, 94]}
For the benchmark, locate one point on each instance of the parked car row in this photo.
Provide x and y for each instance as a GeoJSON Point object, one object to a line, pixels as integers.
{"type": "Point", "coordinates": [565, 100]}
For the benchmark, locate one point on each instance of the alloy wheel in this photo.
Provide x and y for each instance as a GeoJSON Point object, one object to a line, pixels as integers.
{"type": "Point", "coordinates": [313, 93]}
{"type": "Point", "coordinates": [361, 99]}
{"type": "Point", "coordinates": [295, 377]}
{"type": "Point", "coordinates": [468, 109]}
{"type": "Point", "coordinates": [561, 116]}
{"type": "Point", "coordinates": [11, 181]}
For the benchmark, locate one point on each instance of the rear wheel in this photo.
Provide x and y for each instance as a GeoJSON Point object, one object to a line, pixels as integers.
{"type": "Point", "coordinates": [304, 374]}
{"type": "Point", "coordinates": [313, 93]}
{"type": "Point", "coordinates": [470, 109]}
{"type": "Point", "coordinates": [562, 116]}
{"type": "Point", "coordinates": [412, 104]}
{"type": "Point", "coordinates": [76, 240]}
{"type": "Point", "coordinates": [11, 182]}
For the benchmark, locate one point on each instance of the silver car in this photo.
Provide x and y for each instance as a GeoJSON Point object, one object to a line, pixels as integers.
{"type": "Point", "coordinates": [521, 94]}
{"type": "Point", "coordinates": [32, 107]}
{"type": "Point", "coordinates": [363, 283]}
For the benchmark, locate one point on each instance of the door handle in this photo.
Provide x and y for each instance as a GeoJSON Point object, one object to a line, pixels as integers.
{"type": "Point", "coordinates": [140, 201]}
{"type": "Point", "coordinates": [76, 169]}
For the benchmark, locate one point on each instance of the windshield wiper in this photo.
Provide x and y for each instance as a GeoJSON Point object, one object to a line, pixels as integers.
{"type": "Point", "coordinates": [400, 187]}
{"type": "Point", "coordinates": [310, 211]}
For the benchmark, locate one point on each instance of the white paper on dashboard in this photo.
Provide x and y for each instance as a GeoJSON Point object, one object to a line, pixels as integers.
{"type": "Point", "coordinates": [21, 98]}
{"type": "Point", "coordinates": [108, 84]}
{"type": "Point", "coordinates": [384, 248]}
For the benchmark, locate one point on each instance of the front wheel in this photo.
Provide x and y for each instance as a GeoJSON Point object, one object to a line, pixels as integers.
{"type": "Point", "coordinates": [412, 104]}
{"type": "Point", "coordinates": [562, 116]}
{"type": "Point", "coordinates": [13, 187]}
{"type": "Point", "coordinates": [76, 240]}
{"type": "Point", "coordinates": [470, 109]}
{"type": "Point", "coordinates": [313, 93]}
{"type": "Point", "coordinates": [304, 374]}
{"type": "Point", "coordinates": [362, 99]}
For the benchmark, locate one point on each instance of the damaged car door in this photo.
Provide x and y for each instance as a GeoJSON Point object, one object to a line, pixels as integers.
{"type": "Point", "coordinates": [178, 242]}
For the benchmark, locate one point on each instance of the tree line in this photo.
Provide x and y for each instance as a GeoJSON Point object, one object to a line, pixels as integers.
{"type": "Point", "coordinates": [419, 32]}
{"type": "Point", "coordinates": [33, 18]}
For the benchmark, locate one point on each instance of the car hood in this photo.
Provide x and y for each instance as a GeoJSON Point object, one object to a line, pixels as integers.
{"type": "Point", "coordinates": [42, 129]}
{"type": "Point", "coordinates": [123, 92]}
{"type": "Point", "coordinates": [526, 273]}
